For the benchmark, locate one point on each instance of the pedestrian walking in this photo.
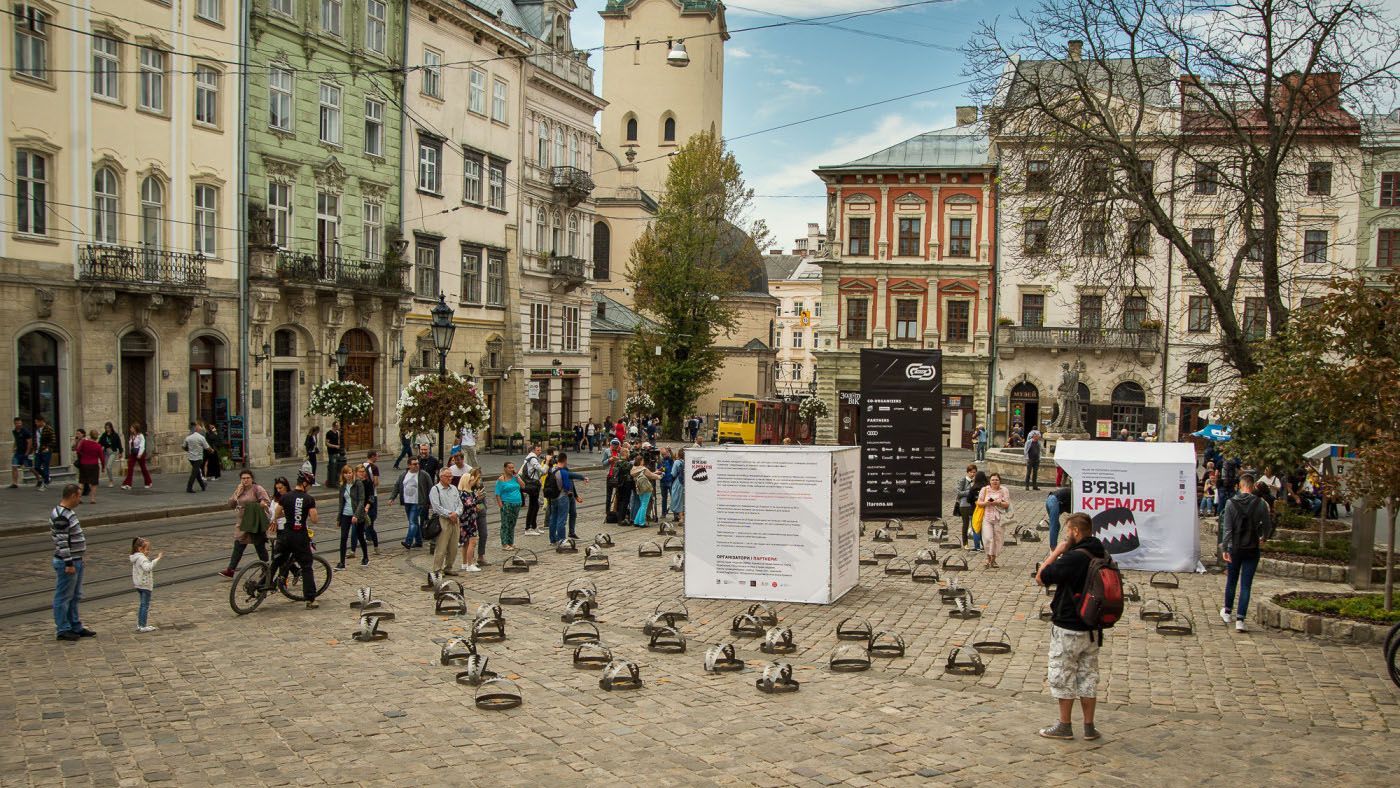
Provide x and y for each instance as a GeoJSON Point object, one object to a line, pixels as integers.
{"type": "Point", "coordinates": [469, 488]}
{"type": "Point", "coordinates": [1073, 672]}
{"type": "Point", "coordinates": [667, 468]}
{"type": "Point", "coordinates": [354, 511]}
{"type": "Point", "coordinates": [590, 435]}
{"type": "Point", "coordinates": [994, 499]}
{"type": "Point", "coordinates": [23, 438]}
{"type": "Point", "coordinates": [405, 449]}
{"type": "Point", "coordinates": [644, 480]}
{"type": "Point", "coordinates": [445, 504]}
{"type": "Point", "coordinates": [961, 507]}
{"type": "Point", "coordinates": [411, 490]}
{"type": "Point", "coordinates": [294, 516]}
{"type": "Point", "coordinates": [508, 500]}
{"type": "Point", "coordinates": [69, 548]}
{"type": "Point", "coordinates": [678, 488]}
{"type": "Point", "coordinates": [427, 462]}
{"type": "Point", "coordinates": [371, 466]}
{"type": "Point", "coordinates": [312, 446]}
{"type": "Point", "coordinates": [1245, 524]}
{"type": "Point", "coordinates": [974, 495]}
{"type": "Point", "coordinates": [136, 456]}
{"type": "Point", "coordinates": [111, 442]}
{"type": "Point", "coordinates": [88, 457]}
{"type": "Point", "coordinates": [45, 444]}
{"type": "Point", "coordinates": [532, 472]}
{"type": "Point", "coordinates": [620, 430]}
{"type": "Point", "coordinates": [468, 444]}
{"type": "Point", "coordinates": [143, 580]}
{"type": "Point", "coordinates": [979, 438]}
{"type": "Point", "coordinates": [558, 490]}
{"type": "Point", "coordinates": [250, 503]}
{"type": "Point", "coordinates": [1032, 452]}
{"type": "Point", "coordinates": [335, 454]}
{"type": "Point", "coordinates": [195, 445]}
{"type": "Point", "coordinates": [213, 463]}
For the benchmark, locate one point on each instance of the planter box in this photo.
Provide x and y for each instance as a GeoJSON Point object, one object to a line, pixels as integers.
{"type": "Point", "coordinates": [1338, 630]}
{"type": "Point", "coordinates": [1327, 573]}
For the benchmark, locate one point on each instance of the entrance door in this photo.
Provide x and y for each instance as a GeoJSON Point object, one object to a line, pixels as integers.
{"type": "Point", "coordinates": [566, 404]}
{"type": "Point", "coordinates": [539, 407]}
{"type": "Point", "coordinates": [1025, 406]}
{"type": "Point", "coordinates": [37, 381]}
{"type": "Point", "coordinates": [283, 381]}
{"type": "Point", "coordinates": [360, 368]}
{"type": "Point", "coordinates": [137, 349]}
{"type": "Point", "coordinates": [1189, 420]}
{"type": "Point", "coordinates": [848, 422]}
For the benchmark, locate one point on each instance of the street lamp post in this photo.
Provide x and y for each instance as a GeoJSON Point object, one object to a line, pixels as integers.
{"type": "Point", "coordinates": [443, 330]}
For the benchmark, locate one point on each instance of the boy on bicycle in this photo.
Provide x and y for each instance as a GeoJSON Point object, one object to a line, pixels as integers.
{"type": "Point", "coordinates": [297, 515]}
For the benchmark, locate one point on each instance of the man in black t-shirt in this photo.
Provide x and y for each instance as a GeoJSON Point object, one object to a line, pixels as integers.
{"type": "Point", "coordinates": [293, 538]}
{"type": "Point", "coordinates": [335, 455]}
{"type": "Point", "coordinates": [1073, 670]}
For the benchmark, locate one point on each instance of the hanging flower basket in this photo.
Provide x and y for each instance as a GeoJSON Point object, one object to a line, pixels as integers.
{"type": "Point", "coordinates": [430, 401]}
{"type": "Point", "coordinates": [813, 408]}
{"type": "Point", "coordinates": [343, 399]}
{"type": "Point", "coordinates": [640, 404]}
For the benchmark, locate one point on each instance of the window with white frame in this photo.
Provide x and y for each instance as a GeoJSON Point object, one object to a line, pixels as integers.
{"type": "Point", "coordinates": [573, 150]}
{"type": "Point", "coordinates": [425, 277]}
{"type": "Point", "coordinates": [330, 16]}
{"type": "Point", "coordinates": [372, 231]}
{"type": "Point", "coordinates": [374, 127]}
{"type": "Point", "coordinates": [31, 41]}
{"type": "Point", "coordinates": [376, 25]}
{"type": "Point", "coordinates": [796, 371]}
{"type": "Point", "coordinates": [330, 114]}
{"type": "Point", "coordinates": [1315, 246]}
{"type": "Point", "coordinates": [471, 274]}
{"type": "Point", "coordinates": [327, 224]}
{"type": "Point", "coordinates": [558, 146]}
{"type": "Point", "coordinates": [206, 218]}
{"type": "Point", "coordinates": [495, 279]}
{"type": "Point", "coordinates": [500, 96]}
{"type": "Point", "coordinates": [497, 195]}
{"type": "Point", "coordinates": [432, 74]}
{"type": "Point", "coordinates": [573, 235]}
{"type": "Point", "coordinates": [283, 7]}
{"type": "Point", "coordinates": [31, 192]}
{"type": "Point", "coordinates": [570, 325]}
{"type": "Point", "coordinates": [476, 91]}
{"type": "Point", "coordinates": [797, 337]}
{"type": "Point", "coordinates": [471, 179]}
{"type": "Point", "coordinates": [104, 205]}
{"type": "Point", "coordinates": [279, 98]}
{"type": "Point", "coordinates": [152, 80]}
{"type": "Point", "coordinates": [539, 326]}
{"type": "Point", "coordinates": [542, 144]}
{"type": "Point", "coordinates": [279, 210]}
{"type": "Point", "coordinates": [106, 67]}
{"type": "Point", "coordinates": [816, 309]}
{"type": "Point", "coordinates": [152, 213]}
{"type": "Point", "coordinates": [542, 232]}
{"type": "Point", "coordinates": [211, 10]}
{"type": "Point", "coordinates": [430, 165]}
{"type": "Point", "coordinates": [556, 233]}
{"type": "Point", "coordinates": [206, 95]}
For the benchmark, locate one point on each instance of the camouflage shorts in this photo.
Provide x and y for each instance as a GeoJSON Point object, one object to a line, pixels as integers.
{"type": "Point", "coordinates": [1074, 664]}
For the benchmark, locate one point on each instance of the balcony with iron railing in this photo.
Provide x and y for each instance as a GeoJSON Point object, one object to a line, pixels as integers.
{"type": "Point", "coordinates": [567, 272]}
{"type": "Point", "coordinates": [571, 184]}
{"type": "Point", "coordinates": [307, 268]}
{"type": "Point", "coordinates": [1143, 340]}
{"type": "Point", "coordinates": [142, 267]}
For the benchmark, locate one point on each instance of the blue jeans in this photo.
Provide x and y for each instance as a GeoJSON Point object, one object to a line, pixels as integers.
{"type": "Point", "coordinates": [573, 519]}
{"type": "Point", "coordinates": [558, 518]}
{"type": "Point", "coordinates": [144, 607]}
{"type": "Point", "coordinates": [643, 501]}
{"type": "Point", "coordinates": [1241, 568]}
{"type": "Point", "coordinates": [67, 591]}
{"type": "Point", "coordinates": [632, 503]}
{"type": "Point", "coordinates": [981, 450]}
{"type": "Point", "coordinates": [1052, 508]}
{"type": "Point", "coordinates": [414, 513]}
{"type": "Point", "coordinates": [41, 465]}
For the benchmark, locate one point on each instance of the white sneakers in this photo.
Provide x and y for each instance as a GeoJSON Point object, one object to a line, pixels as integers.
{"type": "Point", "coordinates": [533, 532]}
{"type": "Point", "coordinates": [470, 568]}
{"type": "Point", "coordinates": [1239, 625]}
{"type": "Point", "coordinates": [145, 629]}
{"type": "Point", "coordinates": [1226, 615]}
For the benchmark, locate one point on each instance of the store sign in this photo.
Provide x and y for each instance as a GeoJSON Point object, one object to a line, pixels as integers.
{"type": "Point", "coordinates": [902, 422]}
{"type": "Point", "coordinates": [532, 389]}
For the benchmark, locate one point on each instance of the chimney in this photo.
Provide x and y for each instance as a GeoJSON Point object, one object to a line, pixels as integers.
{"type": "Point", "coordinates": [967, 116]}
{"type": "Point", "coordinates": [1076, 50]}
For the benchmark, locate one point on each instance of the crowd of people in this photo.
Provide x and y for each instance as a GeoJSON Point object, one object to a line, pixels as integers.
{"type": "Point", "coordinates": [98, 453]}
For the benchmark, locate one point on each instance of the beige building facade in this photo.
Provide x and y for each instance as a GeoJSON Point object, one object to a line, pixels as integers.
{"type": "Point", "coordinates": [119, 249]}
{"type": "Point", "coordinates": [796, 282]}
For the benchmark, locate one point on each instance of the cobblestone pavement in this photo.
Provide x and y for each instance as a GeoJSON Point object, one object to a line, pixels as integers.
{"type": "Point", "coordinates": [285, 696]}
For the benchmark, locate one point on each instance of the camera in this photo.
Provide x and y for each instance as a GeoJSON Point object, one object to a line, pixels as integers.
{"type": "Point", "coordinates": [650, 455]}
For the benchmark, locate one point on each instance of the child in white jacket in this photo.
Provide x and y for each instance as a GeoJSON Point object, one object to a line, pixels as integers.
{"type": "Point", "coordinates": [143, 578]}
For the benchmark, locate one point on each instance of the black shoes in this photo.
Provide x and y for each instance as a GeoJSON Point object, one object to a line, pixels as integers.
{"type": "Point", "coordinates": [87, 633]}
{"type": "Point", "coordinates": [68, 636]}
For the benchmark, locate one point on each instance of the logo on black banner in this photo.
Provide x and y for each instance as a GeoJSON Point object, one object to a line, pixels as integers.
{"type": "Point", "coordinates": [918, 371]}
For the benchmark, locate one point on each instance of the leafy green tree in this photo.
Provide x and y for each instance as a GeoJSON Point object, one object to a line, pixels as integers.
{"type": "Point", "coordinates": [1269, 430]}
{"type": "Point", "coordinates": [700, 247]}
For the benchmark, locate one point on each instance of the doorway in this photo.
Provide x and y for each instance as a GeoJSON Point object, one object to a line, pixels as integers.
{"type": "Point", "coordinates": [283, 396]}
{"type": "Point", "coordinates": [137, 350]}
{"type": "Point", "coordinates": [1025, 406]}
{"type": "Point", "coordinates": [539, 406]}
{"type": "Point", "coordinates": [848, 418]}
{"type": "Point", "coordinates": [566, 404]}
{"type": "Point", "coordinates": [36, 376]}
{"type": "Point", "coordinates": [1189, 420]}
{"type": "Point", "coordinates": [360, 367]}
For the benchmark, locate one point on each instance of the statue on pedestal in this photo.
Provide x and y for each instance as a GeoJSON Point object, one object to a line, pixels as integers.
{"type": "Point", "coordinates": [1067, 398]}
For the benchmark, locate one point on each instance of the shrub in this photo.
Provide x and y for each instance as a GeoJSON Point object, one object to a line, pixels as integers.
{"type": "Point", "coordinates": [1364, 607]}
{"type": "Point", "coordinates": [1337, 549]}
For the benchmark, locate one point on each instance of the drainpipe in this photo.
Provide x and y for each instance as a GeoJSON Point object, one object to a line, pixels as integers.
{"type": "Point", "coordinates": [1167, 310]}
{"type": "Point", "coordinates": [403, 146]}
{"type": "Point", "coordinates": [242, 239]}
{"type": "Point", "coordinates": [994, 327]}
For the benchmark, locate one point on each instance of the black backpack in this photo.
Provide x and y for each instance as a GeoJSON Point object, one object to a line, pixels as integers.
{"type": "Point", "coordinates": [552, 490]}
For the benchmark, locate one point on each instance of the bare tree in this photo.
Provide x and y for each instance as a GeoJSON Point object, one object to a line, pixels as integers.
{"type": "Point", "coordinates": [1119, 120]}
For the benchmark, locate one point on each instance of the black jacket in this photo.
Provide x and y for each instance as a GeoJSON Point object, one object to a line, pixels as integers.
{"type": "Point", "coordinates": [1068, 574]}
{"type": "Point", "coordinates": [1244, 523]}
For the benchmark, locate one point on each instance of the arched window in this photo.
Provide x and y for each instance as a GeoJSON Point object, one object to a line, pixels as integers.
{"type": "Point", "coordinates": [1025, 405]}
{"type": "Point", "coordinates": [556, 235]}
{"type": "Point", "coordinates": [573, 150]}
{"type": "Point", "coordinates": [1129, 404]}
{"type": "Point", "coordinates": [542, 232]}
{"type": "Point", "coordinates": [36, 373]}
{"type": "Point", "coordinates": [542, 144]}
{"type": "Point", "coordinates": [559, 146]}
{"type": "Point", "coordinates": [668, 130]}
{"type": "Point", "coordinates": [561, 33]}
{"type": "Point", "coordinates": [153, 212]}
{"type": "Point", "coordinates": [631, 129]}
{"type": "Point", "coordinates": [104, 205]}
{"type": "Point", "coordinates": [284, 342]}
{"type": "Point", "coordinates": [602, 251]}
{"type": "Point", "coordinates": [573, 235]}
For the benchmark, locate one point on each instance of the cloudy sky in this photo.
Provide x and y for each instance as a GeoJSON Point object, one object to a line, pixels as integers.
{"type": "Point", "coordinates": [795, 72]}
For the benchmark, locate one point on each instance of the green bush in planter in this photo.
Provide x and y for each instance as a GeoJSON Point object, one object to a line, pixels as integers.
{"type": "Point", "coordinates": [1338, 549]}
{"type": "Point", "coordinates": [1366, 607]}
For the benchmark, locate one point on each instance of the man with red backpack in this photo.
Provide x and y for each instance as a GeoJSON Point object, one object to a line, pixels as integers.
{"type": "Point", "coordinates": [1088, 599]}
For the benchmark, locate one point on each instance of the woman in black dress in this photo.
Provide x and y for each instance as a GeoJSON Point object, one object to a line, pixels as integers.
{"type": "Point", "coordinates": [313, 447]}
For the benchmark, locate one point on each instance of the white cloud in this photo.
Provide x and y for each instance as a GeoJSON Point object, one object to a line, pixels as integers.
{"type": "Point", "coordinates": [738, 53]}
{"type": "Point", "coordinates": [801, 87]}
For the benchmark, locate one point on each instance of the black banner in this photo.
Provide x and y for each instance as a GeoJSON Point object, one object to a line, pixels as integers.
{"type": "Point", "coordinates": [901, 433]}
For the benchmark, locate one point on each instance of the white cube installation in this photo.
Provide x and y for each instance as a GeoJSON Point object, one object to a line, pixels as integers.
{"type": "Point", "coordinates": [772, 523]}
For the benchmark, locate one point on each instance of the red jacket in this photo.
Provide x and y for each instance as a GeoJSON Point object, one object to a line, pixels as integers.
{"type": "Point", "coordinates": [89, 452]}
{"type": "Point", "coordinates": [620, 430]}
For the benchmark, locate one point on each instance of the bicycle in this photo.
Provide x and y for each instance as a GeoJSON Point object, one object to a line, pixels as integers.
{"type": "Point", "coordinates": [1392, 653]}
{"type": "Point", "coordinates": [254, 582]}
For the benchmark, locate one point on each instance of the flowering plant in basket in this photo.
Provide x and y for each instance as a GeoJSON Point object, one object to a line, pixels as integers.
{"type": "Point", "coordinates": [429, 401]}
{"type": "Point", "coordinates": [639, 404]}
{"type": "Point", "coordinates": [346, 400]}
{"type": "Point", "coordinates": [813, 408]}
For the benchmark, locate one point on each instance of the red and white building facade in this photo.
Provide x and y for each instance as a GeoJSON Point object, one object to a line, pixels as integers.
{"type": "Point", "coordinates": [910, 264]}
